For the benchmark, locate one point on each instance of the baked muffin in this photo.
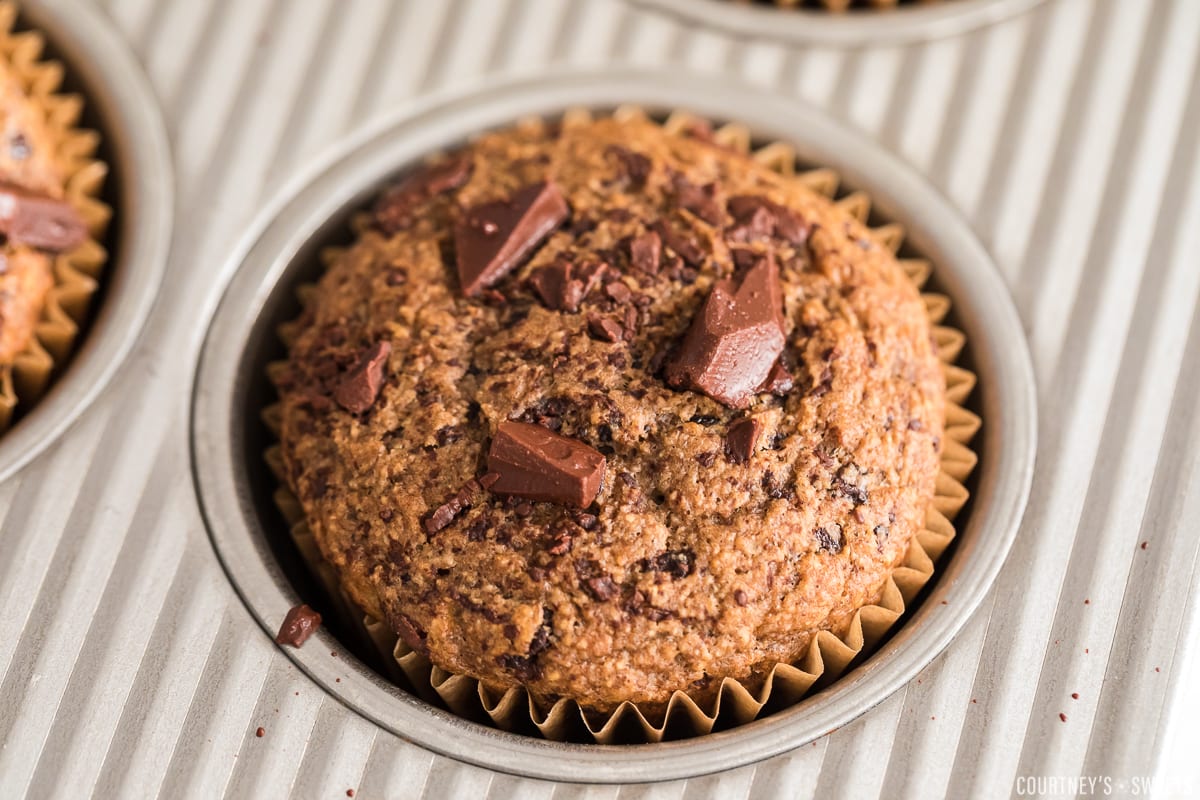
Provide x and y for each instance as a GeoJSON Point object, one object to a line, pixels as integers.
{"type": "Point", "coordinates": [49, 216]}
{"type": "Point", "coordinates": [610, 412]}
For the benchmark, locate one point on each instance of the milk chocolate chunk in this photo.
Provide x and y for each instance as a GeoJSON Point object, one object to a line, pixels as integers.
{"type": "Point", "coordinates": [394, 210]}
{"type": "Point", "coordinates": [557, 287]}
{"type": "Point", "coordinates": [645, 252]}
{"type": "Point", "coordinates": [300, 623]}
{"type": "Point", "coordinates": [741, 440]}
{"type": "Point", "coordinates": [757, 218]}
{"type": "Point", "coordinates": [37, 220]}
{"type": "Point", "coordinates": [537, 464]}
{"type": "Point", "coordinates": [779, 380]}
{"type": "Point", "coordinates": [734, 339]}
{"type": "Point", "coordinates": [605, 329]}
{"type": "Point", "coordinates": [360, 386]}
{"type": "Point", "coordinates": [493, 238]}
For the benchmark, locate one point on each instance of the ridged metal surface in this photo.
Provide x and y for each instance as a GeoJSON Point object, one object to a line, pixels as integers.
{"type": "Point", "coordinates": [1068, 136]}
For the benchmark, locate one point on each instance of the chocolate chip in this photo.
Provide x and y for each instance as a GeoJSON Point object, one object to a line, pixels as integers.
{"type": "Point", "coordinates": [706, 420]}
{"type": "Point", "coordinates": [741, 440]}
{"type": "Point", "coordinates": [523, 668]}
{"type": "Point", "coordinates": [635, 167]}
{"type": "Point", "coordinates": [740, 597]}
{"type": "Point", "coordinates": [656, 614]}
{"type": "Point", "coordinates": [701, 201]}
{"type": "Point", "coordinates": [734, 339]}
{"type": "Point", "coordinates": [706, 459]}
{"type": "Point", "coordinates": [618, 291]}
{"type": "Point", "coordinates": [491, 239]}
{"type": "Point", "coordinates": [37, 220]}
{"type": "Point", "coordinates": [541, 637]}
{"type": "Point", "coordinates": [758, 217]}
{"type": "Point", "coordinates": [449, 434]}
{"type": "Point", "coordinates": [673, 563]}
{"type": "Point", "coordinates": [442, 516]}
{"type": "Point", "coordinates": [601, 588]}
{"type": "Point", "coordinates": [394, 210]}
{"type": "Point", "coordinates": [605, 329]}
{"type": "Point", "coordinates": [645, 252]}
{"type": "Point", "coordinates": [358, 388]}
{"type": "Point", "coordinates": [779, 380]}
{"type": "Point", "coordinates": [830, 539]}
{"type": "Point", "coordinates": [684, 244]}
{"type": "Point", "coordinates": [300, 623]}
{"type": "Point", "coordinates": [537, 464]}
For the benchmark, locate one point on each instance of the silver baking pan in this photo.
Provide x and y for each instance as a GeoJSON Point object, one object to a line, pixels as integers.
{"type": "Point", "coordinates": [280, 252]}
{"type": "Point", "coordinates": [852, 27]}
{"type": "Point", "coordinates": [121, 106]}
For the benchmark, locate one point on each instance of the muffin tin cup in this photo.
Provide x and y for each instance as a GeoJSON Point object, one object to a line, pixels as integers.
{"type": "Point", "coordinates": [853, 27]}
{"type": "Point", "coordinates": [120, 106]}
{"type": "Point", "coordinates": [281, 253]}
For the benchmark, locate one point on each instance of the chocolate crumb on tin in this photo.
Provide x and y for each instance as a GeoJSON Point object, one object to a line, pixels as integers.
{"type": "Point", "coordinates": [299, 623]}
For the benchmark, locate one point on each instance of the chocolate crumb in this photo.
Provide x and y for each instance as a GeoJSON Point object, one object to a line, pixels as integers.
{"type": "Point", "coordinates": [299, 624]}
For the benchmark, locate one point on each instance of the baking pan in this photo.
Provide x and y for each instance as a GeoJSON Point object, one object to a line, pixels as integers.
{"type": "Point", "coordinates": [863, 26]}
{"type": "Point", "coordinates": [120, 105]}
{"type": "Point", "coordinates": [280, 252]}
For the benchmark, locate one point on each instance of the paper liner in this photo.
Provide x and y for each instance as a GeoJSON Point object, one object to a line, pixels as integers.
{"type": "Point", "coordinates": [828, 654]}
{"type": "Point", "coordinates": [76, 274]}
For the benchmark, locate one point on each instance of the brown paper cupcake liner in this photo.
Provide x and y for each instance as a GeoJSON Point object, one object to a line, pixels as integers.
{"type": "Point", "coordinates": [77, 273]}
{"type": "Point", "coordinates": [828, 656]}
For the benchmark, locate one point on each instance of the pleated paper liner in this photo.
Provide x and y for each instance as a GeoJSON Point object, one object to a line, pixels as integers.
{"type": "Point", "coordinates": [77, 273]}
{"type": "Point", "coordinates": [828, 656]}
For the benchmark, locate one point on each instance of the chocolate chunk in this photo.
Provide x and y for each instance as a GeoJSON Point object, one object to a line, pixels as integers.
{"type": "Point", "coordinates": [779, 380]}
{"type": "Point", "coordinates": [557, 287]}
{"type": "Point", "coordinates": [734, 340]}
{"type": "Point", "coordinates": [493, 238]}
{"type": "Point", "coordinates": [523, 668]}
{"type": "Point", "coordinates": [442, 516]}
{"type": "Point", "coordinates": [605, 329]}
{"type": "Point", "coordinates": [739, 597]}
{"type": "Point", "coordinates": [601, 588]}
{"type": "Point", "coordinates": [34, 219]}
{"type": "Point", "coordinates": [758, 217]}
{"type": "Point", "coordinates": [358, 388]}
{"type": "Point", "coordinates": [645, 252]}
{"type": "Point", "coordinates": [701, 201]}
{"type": "Point", "coordinates": [300, 623]}
{"type": "Point", "coordinates": [618, 292]}
{"type": "Point", "coordinates": [537, 464]}
{"type": "Point", "coordinates": [394, 210]}
{"type": "Point", "coordinates": [684, 244]}
{"type": "Point", "coordinates": [706, 459]}
{"type": "Point", "coordinates": [489, 480]}
{"type": "Point", "coordinates": [830, 539]}
{"type": "Point", "coordinates": [673, 563]}
{"type": "Point", "coordinates": [635, 167]}
{"type": "Point", "coordinates": [741, 440]}
{"type": "Point", "coordinates": [410, 634]}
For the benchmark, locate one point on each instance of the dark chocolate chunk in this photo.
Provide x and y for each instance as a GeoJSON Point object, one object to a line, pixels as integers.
{"type": "Point", "coordinates": [645, 252]}
{"type": "Point", "coordinates": [523, 668]}
{"type": "Point", "coordinates": [673, 563]}
{"type": "Point", "coordinates": [605, 329]}
{"type": "Point", "coordinates": [734, 339]}
{"type": "Point", "coordinates": [684, 244]}
{"type": "Point", "coordinates": [779, 380]}
{"type": "Point", "coordinates": [37, 220]}
{"type": "Point", "coordinates": [410, 634]}
{"type": "Point", "coordinates": [830, 539]}
{"type": "Point", "coordinates": [537, 464]}
{"type": "Point", "coordinates": [394, 210]}
{"type": "Point", "coordinates": [601, 588]}
{"type": "Point", "coordinates": [358, 388]}
{"type": "Point", "coordinates": [493, 238]}
{"type": "Point", "coordinates": [742, 440]}
{"type": "Point", "coordinates": [635, 167]}
{"type": "Point", "coordinates": [300, 623]}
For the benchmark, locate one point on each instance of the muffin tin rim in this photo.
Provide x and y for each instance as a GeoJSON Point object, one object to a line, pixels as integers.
{"type": "Point", "coordinates": [846, 29]}
{"type": "Point", "coordinates": [349, 174]}
{"type": "Point", "coordinates": [117, 92]}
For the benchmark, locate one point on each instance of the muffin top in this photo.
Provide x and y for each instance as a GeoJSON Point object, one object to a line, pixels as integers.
{"type": "Point", "coordinates": [610, 412]}
{"type": "Point", "coordinates": [34, 220]}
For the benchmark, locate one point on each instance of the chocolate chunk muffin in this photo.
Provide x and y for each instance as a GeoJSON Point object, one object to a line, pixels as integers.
{"type": "Point", "coordinates": [49, 214]}
{"type": "Point", "coordinates": [610, 412]}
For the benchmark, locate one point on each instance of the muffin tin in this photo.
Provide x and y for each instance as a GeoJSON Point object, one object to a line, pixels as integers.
{"type": "Point", "coordinates": [120, 105]}
{"type": "Point", "coordinates": [230, 387]}
{"type": "Point", "coordinates": [858, 26]}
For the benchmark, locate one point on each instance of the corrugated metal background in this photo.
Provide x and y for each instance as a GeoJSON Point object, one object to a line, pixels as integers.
{"type": "Point", "coordinates": [1069, 137]}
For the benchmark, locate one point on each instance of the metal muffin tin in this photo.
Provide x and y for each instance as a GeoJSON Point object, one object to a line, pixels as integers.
{"type": "Point", "coordinates": [279, 252]}
{"type": "Point", "coordinates": [120, 105]}
{"type": "Point", "coordinates": [852, 27]}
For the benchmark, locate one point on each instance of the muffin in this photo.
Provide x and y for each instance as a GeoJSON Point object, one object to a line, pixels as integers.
{"type": "Point", "coordinates": [48, 217]}
{"type": "Point", "coordinates": [612, 413]}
